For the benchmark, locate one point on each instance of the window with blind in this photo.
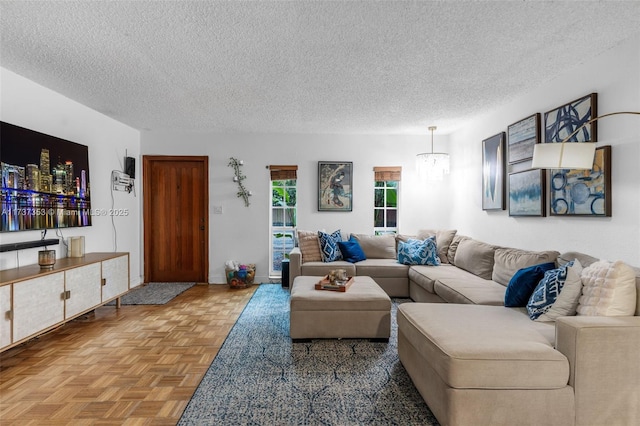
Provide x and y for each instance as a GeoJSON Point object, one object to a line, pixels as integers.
{"type": "Point", "coordinates": [385, 210]}
{"type": "Point", "coordinates": [283, 215]}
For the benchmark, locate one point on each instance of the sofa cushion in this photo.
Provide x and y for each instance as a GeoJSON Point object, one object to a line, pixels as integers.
{"type": "Point", "coordinates": [609, 289]}
{"type": "Point", "coordinates": [476, 257]}
{"type": "Point", "coordinates": [474, 290]}
{"type": "Point", "coordinates": [484, 347]}
{"type": "Point", "coordinates": [423, 234]}
{"type": "Point", "coordinates": [453, 247]}
{"type": "Point", "coordinates": [443, 240]}
{"type": "Point", "coordinates": [547, 291]}
{"type": "Point", "coordinates": [329, 246]}
{"type": "Point", "coordinates": [567, 301]}
{"type": "Point", "coordinates": [309, 244]}
{"type": "Point", "coordinates": [507, 261]}
{"type": "Point", "coordinates": [381, 268]}
{"type": "Point", "coordinates": [523, 282]}
{"type": "Point", "coordinates": [403, 238]}
{"type": "Point", "coordinates": [426, 276]}
{"type": "Point", "coordinates": [418, 252]}
{"type": "Point", "coordinates": [584, 259]}
{"type": "Point", "coordinates": [377, 246]}
{"type": "Point", "coordinates": [351, 250]}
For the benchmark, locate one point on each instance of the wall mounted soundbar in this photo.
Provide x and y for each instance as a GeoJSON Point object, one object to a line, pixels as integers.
{"type": "Point", "coordinates": [28, 244]}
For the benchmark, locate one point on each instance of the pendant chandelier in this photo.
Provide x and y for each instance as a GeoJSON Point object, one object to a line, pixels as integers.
{"type": "Point", "coordinates": [432, 165]}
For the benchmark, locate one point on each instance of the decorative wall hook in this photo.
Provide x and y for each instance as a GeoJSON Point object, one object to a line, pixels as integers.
{"type": "Point", "coordinates": [238, 178]}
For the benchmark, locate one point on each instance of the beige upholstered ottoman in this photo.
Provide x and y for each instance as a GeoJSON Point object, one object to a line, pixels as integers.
{"type": "Point", "coordinates": [363, 311]}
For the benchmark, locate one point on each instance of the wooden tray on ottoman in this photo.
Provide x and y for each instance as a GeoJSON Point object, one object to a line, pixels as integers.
{"type": "Point", "coordinates": [325, 284]}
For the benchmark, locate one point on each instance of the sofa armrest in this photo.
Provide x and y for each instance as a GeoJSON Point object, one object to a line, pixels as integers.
{"type": "Point", "coordinates": [295, 264]}
{"type": "Point", "coordinates": [603, 367]}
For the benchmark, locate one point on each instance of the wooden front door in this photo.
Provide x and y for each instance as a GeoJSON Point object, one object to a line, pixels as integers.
{"type": "Point", "coordinates": [176, 219]}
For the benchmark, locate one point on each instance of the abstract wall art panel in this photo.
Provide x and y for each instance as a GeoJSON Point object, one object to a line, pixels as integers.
{"type": "Point", "coordinates": [526, 193]}
{"type": "Point", "coordinates": [583, 192]}
{"type": "Point", "coordinates": [493, 167]}
{"type": "Point", "coordinates": [560, 122]}
{"type": "Point", "coordinates": [521, 138]}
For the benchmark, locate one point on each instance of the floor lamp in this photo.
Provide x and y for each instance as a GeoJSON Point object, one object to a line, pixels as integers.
{"type": "Point", "coordinates": [569, 155]}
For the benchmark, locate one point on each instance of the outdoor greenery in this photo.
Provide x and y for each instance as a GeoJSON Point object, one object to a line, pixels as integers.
{"type": "Point", "coordinates": [385, 206]}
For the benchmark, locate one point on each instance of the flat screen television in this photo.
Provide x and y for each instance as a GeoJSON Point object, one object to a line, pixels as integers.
{"type": "Point", "coordinates": [45, 181]}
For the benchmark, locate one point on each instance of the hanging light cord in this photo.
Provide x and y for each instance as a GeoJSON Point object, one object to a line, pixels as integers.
{"type": "Point", "coordinates": [432, 128]}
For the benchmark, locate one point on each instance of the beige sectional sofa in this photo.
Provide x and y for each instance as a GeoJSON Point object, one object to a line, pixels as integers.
{"type": "Point", "coordinates": [381, 264]}
{"type": "Point", "coordinates": [476, 362]}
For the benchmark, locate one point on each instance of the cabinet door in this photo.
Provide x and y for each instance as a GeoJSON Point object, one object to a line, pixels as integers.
{"type": "Point", "coordinates": [5, 315]}
{"type": "Point", "coordinates": [115, 276]}
{"type": "Point", "coordinates": [83, 289]}
{"type": "Point", "coordinates": [37, 304]}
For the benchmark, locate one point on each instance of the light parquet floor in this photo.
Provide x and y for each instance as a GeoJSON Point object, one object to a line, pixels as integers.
{"type": "Point", "coordinates": [137, 365]}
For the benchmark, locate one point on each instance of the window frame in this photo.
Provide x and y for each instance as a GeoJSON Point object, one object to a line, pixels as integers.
{"type": "Point", "coordinates": [386, 179]}
{"type": "Point", "coordinates": [287, 228]}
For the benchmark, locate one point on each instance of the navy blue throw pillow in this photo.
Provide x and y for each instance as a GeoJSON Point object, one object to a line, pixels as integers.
{"type": "Point", "coordinates": [523, 282]}
{"type": "Point", "coordinates": [351, 250]}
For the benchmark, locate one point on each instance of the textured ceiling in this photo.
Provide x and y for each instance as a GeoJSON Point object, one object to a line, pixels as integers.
{"type": "Point", "coordinates": [388, 67]}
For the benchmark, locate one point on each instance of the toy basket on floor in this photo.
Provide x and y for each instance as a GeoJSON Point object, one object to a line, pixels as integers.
{"type": "Point", "coordinates": [242, 277]}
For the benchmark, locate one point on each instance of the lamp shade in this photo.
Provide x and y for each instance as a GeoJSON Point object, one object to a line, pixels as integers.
{"type": "Point", "coordinates": [570, 155]}
{"type": "Point", "coordinates": [432, 165]}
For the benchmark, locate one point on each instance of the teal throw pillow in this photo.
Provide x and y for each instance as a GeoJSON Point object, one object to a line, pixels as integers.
{"type": "Point", "coordinates": [547, 291]}
{"type": "Point", "coordinates": [523, 282]}
{"type": "Point", "coordinates": [351, 250]}
{"type": "Point", "coordinates": [418, 252]}
{"type": "Point", "coordinates": [329, 246]}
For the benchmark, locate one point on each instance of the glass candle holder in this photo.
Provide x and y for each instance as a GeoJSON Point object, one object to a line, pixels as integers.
{"type": "Point", "coordinates": [46, 259]}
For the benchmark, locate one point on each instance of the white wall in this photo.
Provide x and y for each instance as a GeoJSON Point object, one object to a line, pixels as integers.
{"type": "Point", "coordinates": [27, 104]}
{"type": "Point", "coordinates": [615, 77]}
{"type": "Point", "coordinates": [242, 233]}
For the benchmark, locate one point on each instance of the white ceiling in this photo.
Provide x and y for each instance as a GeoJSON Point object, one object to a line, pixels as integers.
{"type": "Point", "coordinates": [387, 67]}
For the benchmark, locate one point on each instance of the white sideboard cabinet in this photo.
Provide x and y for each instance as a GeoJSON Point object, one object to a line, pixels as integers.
{"type": "Point", "coordinates": [33, 301]}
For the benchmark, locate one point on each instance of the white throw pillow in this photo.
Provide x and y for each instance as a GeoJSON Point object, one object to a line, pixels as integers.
{"type": "Point", "coordinates": [567, 301]}
{"type": "Point", "coordinates": [609, 289]}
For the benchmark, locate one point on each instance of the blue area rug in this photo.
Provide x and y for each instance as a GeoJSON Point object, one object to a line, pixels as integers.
{"type": "Point", "coordinates": [260, 377]}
